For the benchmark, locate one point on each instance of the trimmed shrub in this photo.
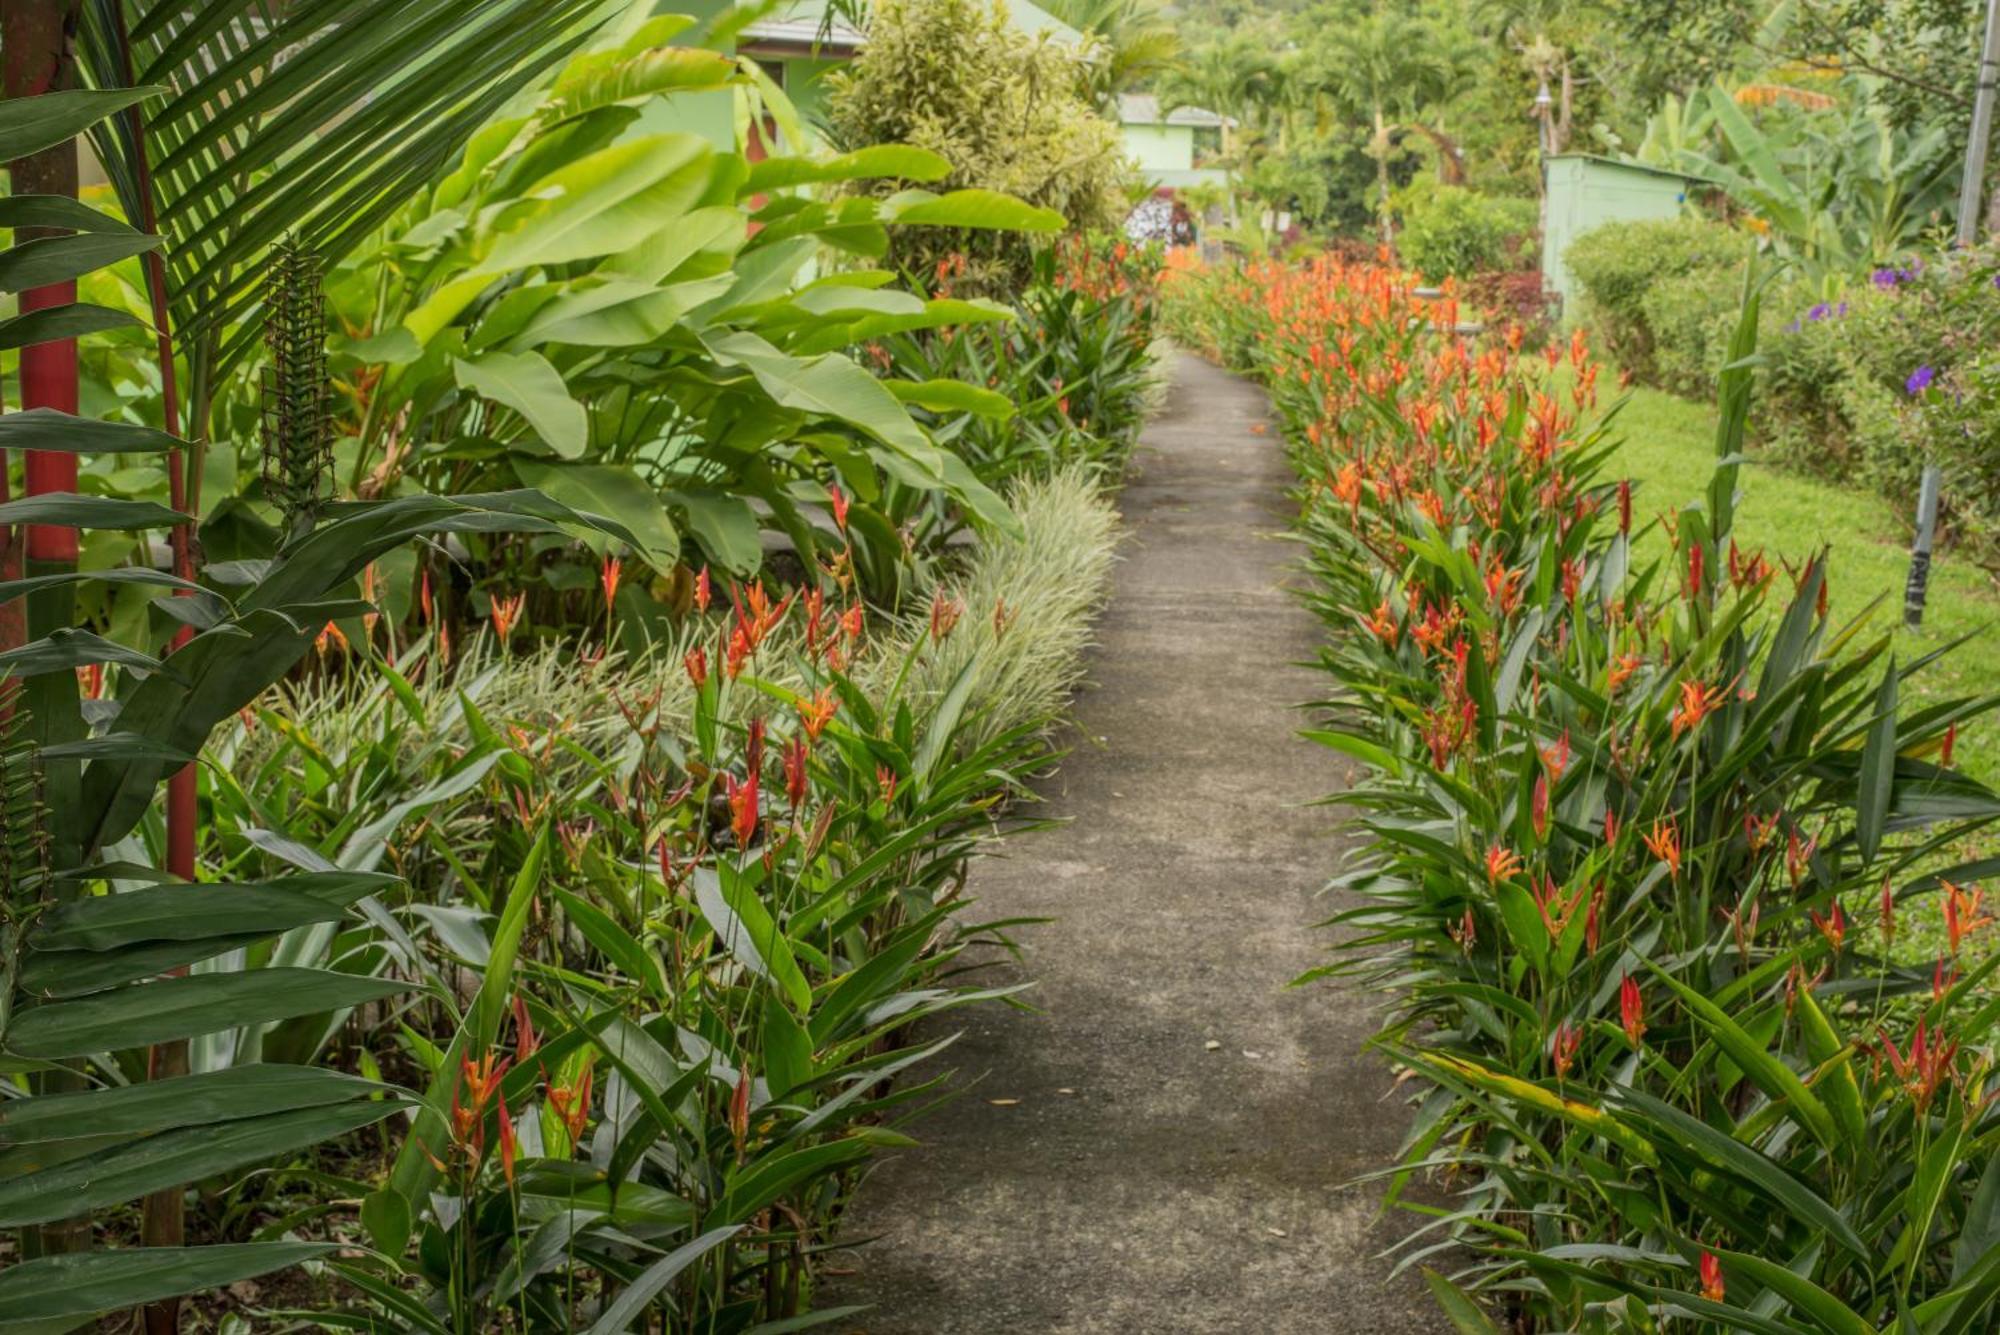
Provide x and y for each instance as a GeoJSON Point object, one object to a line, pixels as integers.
{"type": "Point", "coordinates": [1451, 232]}
{"type": "Point", "coordinates": [1621, 264]}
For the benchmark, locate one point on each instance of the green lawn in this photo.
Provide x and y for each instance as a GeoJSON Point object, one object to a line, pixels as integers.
{"type": "Point", "coordinates": [1668, 451]}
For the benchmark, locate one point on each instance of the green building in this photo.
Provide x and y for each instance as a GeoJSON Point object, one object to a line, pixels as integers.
{"type": "Point", "coordinates": [1170, 147]}
{"type": "Point", "coordinates": [1585, 192]}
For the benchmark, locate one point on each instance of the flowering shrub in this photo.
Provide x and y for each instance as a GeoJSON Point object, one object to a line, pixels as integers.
{"type": "Point", "coordinates": [1638, 841]}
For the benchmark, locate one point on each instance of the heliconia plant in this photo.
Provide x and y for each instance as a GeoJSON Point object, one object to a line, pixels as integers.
{"type": "Point", "coordinates": [1640, 834]}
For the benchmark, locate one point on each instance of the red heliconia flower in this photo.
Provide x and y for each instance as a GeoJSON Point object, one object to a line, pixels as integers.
{"type": "Point", "coordinates": [1563, 1047]}
{"type": "Point", "coordinates": [1950, 742]}
{"type": "Point", "coordinates": [608, 577]}
{"type": "Point", "coordinates": [1610, 826]}
{"type": "Point", "coordinates": [696, 664]}
{"type": "Point", "coordinates": [1942, 980]}
{"type": "Point", "coordinates": [887, 780]}
{"type": "Point", "coordinates": [1926, 1068]}
{"type": "Point", "coordinates": [1465, 931]}
{"type": "Point", "coordinates": [1697, 703]}
{"type": "Point", "coordinates": [1502, 864]}
{"type": "Point", "coordinates": [1799, 854]}
{"type": "Point", "coordinates": [1632, 1010]}
{"type": "Point", "coordinates": [1538, 812]}
{"type": "Point", "coordinates": [753, 746]}
{"type": "Point", "coordinates": [1590, 919]}
{"type": "Point", "coordinates": [1712, 1287]}
{"type": "Point", "coordinates": [839, 500]}
{"type": "Point", "coordinates": [1382, 625]}
{"type": "Point", "coordinates": [666, 854]}
{"type": "Point", "coordinates": [1833, 926]}
{"type": "Point", "coordinates": [525, 1042]}
{"type": "Point", "coordinates": [507, 1145]}
{"type": "Point", "coordinates": [1697, 555]}
{"type": "Point", "coordinates": [850, 622]}
{"type": "Point", "coordinates": [1556, 755]}
{"type": "Point", "coordinates": [743, 812]}
{"type": "Point", "coordinates": [703, 591]}
{"type": "Point", "coordinates": [738, 653]}
{"type": "Point", "coordinates": [797, 771]}
{"type": "Point", "coordinates": [1757, 830]}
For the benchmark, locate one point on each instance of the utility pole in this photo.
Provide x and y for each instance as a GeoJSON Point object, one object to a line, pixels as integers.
{"type": "Point", "coordinates": [1969, 190]}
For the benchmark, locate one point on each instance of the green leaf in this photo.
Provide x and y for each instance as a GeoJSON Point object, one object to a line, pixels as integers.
{"type": "Point", "coordinates": [1755, 1061]}
{"type": "Point", "coordinates": [724, 525]}
{"type": "Point", "coordinates": [57, 259]}
{"type": "Point", "coordinates": [48, 429]}
{"type": "Point", "coordinates": [191, 912]}
{"type": "Point", "coordinates": [1803, 1295]}
{"type": "Point", "coordinates": [629, 1306]}
{"type": "Point", "coordinates": [172, 1158]}
{"type": "Point", "coordinates": [826, 386]}
{"type": "Point", "coordinates": [1464, 1314]}
{"type": "Point", "coordinates": [252, 1090]}
{"type": "Point", "coordinates": [85, 1283]}
{"type": "Point", "coordinates": [984, 209]}
{"type": "Point", "coordinates": [877, 161]}
{"type": "Point", "coordinates": [606, 202]}
{"type": "Point", "coordinates": [747, 931]}
{"type": "Point", "coordinates": [1878, 768]}
{"type": "Point", "coordinates": [952, 396]}
{"type": "Point", "coordinates": [614, 491]}
{"type": "Point", "coordinates": [56, 211]}
{"type": "Point", "coordinates": [99, 512]}
{"type": "Point", "coordinates": [78, 319]}
{"type": "Point", "coordinates": [66, 649]}
{"type": "Point", "coordinates": [174, 1008]}
{"type": "Point", "coordinates": [31, 124]}
{"type": "Point", "coordinates": [532, 387]}
{"type": "Point", "coordinates": [763, 1180]}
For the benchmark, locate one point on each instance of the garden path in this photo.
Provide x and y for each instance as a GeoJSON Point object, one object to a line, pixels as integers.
{"type": "Point", "coordinates": [1107, 1166]}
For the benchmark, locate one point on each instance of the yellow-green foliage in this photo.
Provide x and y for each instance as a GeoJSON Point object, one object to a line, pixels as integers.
{"type": "Point", "coordinates": [1009, 111]}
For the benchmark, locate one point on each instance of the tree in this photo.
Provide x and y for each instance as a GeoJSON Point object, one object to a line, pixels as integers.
{"type": "Point", "coordinates": [1133, 43]}
{"type": "Point", "coordinates": [1382, 66]}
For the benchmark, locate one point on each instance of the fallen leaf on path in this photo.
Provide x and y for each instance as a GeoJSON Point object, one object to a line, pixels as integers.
{"type": "Point", "coordinates": [1003, 1103]}
{"type": "Point", "coordinates": [1212, 1046]}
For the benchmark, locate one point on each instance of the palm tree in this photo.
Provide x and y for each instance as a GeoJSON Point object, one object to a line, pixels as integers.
{"type": "Point", "coordinates": [1237, 79]}
{"type": "Point", "coordinates": [1135, 44]}
{"type": "Point", "coordinates": [1381, 67]}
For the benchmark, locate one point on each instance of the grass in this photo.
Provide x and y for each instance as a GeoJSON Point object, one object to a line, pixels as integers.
{"type": "Point", "coordinates": [1668, 452]}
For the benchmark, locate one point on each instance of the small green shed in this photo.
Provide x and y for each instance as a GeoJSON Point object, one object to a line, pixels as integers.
{"type": "Point", "coordinates": [1585, 191]}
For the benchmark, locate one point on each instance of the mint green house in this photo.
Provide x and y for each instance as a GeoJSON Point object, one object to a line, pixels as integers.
{"type": "Point", "coordinates": [1585, 192]}
{"type": "Point", "coordinates": [1170, 147]}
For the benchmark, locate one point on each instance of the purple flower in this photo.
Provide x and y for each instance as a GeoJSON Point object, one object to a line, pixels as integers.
{"type": "Point", "coordinates": [1840, 312]}
{"type": "Point", "coordinates": [1885, 278]}
{"type": "Point", "coordinates": [1819, 312]}
{"type": "Point", "coordinates": [1920, 380]}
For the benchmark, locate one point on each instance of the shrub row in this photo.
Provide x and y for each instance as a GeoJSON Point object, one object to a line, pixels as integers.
{"type": "Point", "coordinates": [1638, 840]}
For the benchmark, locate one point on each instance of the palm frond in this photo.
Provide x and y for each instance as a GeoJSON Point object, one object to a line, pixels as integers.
{"type": "Point", "coordinates": [315, 119]}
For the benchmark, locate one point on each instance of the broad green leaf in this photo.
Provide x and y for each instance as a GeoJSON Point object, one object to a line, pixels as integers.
{"type": "Point", "coordinates": [607, 202]}
{"type": "Point", "coordinates": [57, 259]}
{"type": "Point", "coordinates": [1803, 1295]}
{"type": "Point", "coordinates": [50, 324]}
{"type": "Point", "coordinates": [171, 1158]}
{"type": "Point", "coordinates": [724, 525]}
{"type": "Point", "coordinates": [174, 1008]}
{"type": "Point", "coordinates": [56, 211]}
{"type": "Point", "coordinates": [826, 386]}
{"type": "Point", "coordinates": [190, 912]}
{"type": "Point", "coordinates": [532, 387]}
{"type": "Point", "coordinates": [48, 429]}
{"type": "Point", "coordinates": [1582, 1115]}
{"type": "Point", "coordinates": [31, 124]}
{"type": "Point", "coordinates": [952, 396]}
{"type": "Point", "coordinates": [985, 209]}
{"type": "Point", "coordinates": [85, 1283]}
{"type": "Point", "coordinates": [877, 161]}
{"type": "Point", "coordinates": [747, 931]}
{"type": "Point", "coordinates": [252, 1090]}
{"type": "Point", "coordinates": [98, 512]}
{"type": "Point", "coordinates": [66, 649]}
{"type": "Point", "coordinates": [614, 491]}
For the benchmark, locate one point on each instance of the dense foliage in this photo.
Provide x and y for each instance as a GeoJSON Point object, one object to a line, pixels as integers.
{"type": "Point", "coordinates": [1007, 111]}
{"type": "Point", "coordinates": [1640, 840]}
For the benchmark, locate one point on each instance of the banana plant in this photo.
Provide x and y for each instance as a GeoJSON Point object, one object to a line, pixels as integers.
{"type": "Point", "coordinates": [640, 323]}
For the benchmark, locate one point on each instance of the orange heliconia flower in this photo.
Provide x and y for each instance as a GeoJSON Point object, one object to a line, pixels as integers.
{"type": "Point", "coordinates": [1697, 702]}
{"type": "Point", "coordinates": [1502, 864]}
{"type": "Point", "coordinates": [1632, 1010]}
{"type": "Point", "coordinates": [1664, 843]}
{"type": "Point", "coordinates": [506, 613]}
{"type": "Point", "coordinates": [1961, 912]}
{"type": "Point", "coordinates": [1712, 1287]}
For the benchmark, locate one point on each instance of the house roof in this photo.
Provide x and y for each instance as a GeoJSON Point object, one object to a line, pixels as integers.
{"type": "Point", "coordinates": [1646, 167]}
{"type": "Point", "coordinates": [799, 27]}
{"type": "Point", "coordinates": [1144, 109]}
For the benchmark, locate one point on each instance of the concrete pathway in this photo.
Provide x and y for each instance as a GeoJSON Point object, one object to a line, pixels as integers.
{"type": "Point", "coordinates": [1135, 1180]}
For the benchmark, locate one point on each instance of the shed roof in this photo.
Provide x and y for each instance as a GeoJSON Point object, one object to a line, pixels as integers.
{"type": "Point", "coordinates": [1144, 109]}
{"type": "Point", "coordinates": [1646, 167]}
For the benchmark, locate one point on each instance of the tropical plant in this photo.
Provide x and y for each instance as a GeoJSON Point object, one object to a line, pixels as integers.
{"type": "Point", "coordinates": [1640, 838]}
{"type": "Point", "coordinates": [1008, 112]}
